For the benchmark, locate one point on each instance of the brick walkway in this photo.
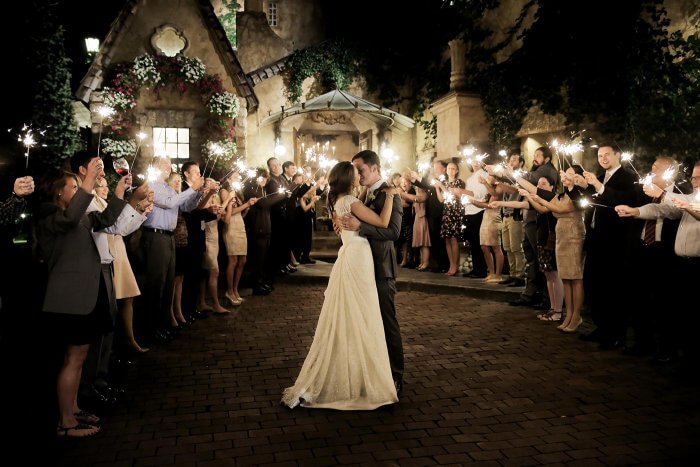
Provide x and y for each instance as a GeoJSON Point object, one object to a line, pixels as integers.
{"type": "Point", "coordinates": [484, 383]}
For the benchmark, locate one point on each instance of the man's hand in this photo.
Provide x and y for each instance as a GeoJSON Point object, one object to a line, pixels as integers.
{"type": "Point", "coordinates": [524, 192]}
{"type": "Point", "coordinates": [252, 201]}
{"type": "Point", "coordinates": [24, 186]}
{"type": "Point", "coordinates": [214, 209]}
{"type": "Point", "coordinates": [580, 181]}
{"type": "Point", "coordinates": [139, 194]}
{"type": "Point", "coordinates": [591, 179]}
{"type": "Point", "coordinates": [122, 185]}
{"type": "Point", "coordinates": [680, 203]}
{"type": "Point", "coordinates": [625, 211]}
{"type": "Point", "coordinates": [336, 224]}
{"type": "Point", "coordinates": [652, 190]}
{"type": "Point", "coordinates": [350, 222]}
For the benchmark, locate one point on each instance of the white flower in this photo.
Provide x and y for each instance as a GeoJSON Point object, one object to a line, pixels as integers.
{"type": "Point", "coordinates": [116, 100]}
{"type": "Point", "coordinates": [145, 70]}
{"type": "Point", "coordinates": [192, 68]}
{"type": "Point", "coordinates": [225, 104]}
{"type": "Point", "coordinates": [119, 148]}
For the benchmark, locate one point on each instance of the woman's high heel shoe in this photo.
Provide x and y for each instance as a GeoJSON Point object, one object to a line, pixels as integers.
{"type": "Point", "coordinates": [571, 328]}
{"type": "Point", "coordinates": [233, 300]}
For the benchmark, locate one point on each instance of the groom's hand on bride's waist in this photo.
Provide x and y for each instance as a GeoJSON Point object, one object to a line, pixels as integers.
{"type": "Point", "coordinates": [349, 222]}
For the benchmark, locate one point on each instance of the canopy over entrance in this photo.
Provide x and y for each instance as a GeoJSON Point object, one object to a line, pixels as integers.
{"type": "Point", "coordinates": [341, 101]}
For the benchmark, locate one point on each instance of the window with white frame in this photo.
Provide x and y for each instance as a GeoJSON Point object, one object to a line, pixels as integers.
{"type": "Point", "coordinates": [173, 143]}
{"type": "Point", "coordinates": [272, 17]}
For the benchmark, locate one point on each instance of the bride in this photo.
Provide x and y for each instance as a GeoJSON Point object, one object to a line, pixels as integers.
{"type": "Point", "coordinates": [347, 367]}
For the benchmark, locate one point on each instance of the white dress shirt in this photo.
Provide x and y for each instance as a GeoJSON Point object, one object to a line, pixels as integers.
{"type": "Point", "coordinates": [475, 186]}
{"type": "Point", "coordinates": [128, 222]}
{"type": "Point", "coordinates": [688, 236]}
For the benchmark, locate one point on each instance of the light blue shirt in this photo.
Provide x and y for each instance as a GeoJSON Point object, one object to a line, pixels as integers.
{"type": "Point", "coordinates": [167, 203]}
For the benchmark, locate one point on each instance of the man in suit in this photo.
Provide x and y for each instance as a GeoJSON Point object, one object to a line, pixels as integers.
{"type": "Point", "coordinates": [606, 245]}
{"type": "Point", "coordinates": [279, 258]}
{"type": "Point", "coordinates": [381, 242]}
{"type": "Point", "coordinates": [651, 248]}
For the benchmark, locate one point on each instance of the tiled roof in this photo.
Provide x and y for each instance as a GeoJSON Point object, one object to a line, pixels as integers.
{"type": "Point", "coordinates": [268, 71]}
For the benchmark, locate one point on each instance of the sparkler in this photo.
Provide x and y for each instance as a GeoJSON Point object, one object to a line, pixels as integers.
{"type": "Point", "coordinates": [140, 136]}
{"type": "Point", "coordinates": [448, 197]}
{"type": "Point", "coordinates": [423, 167]}
{"type": "Point", "coordinates": [585, 202]}
{"type": "Point", "coordinates": [153, 174]}
{"type": "Point", "coordinates": [26, 137]}
{"type": "Point", "coordinates": [218, 151]}
{"type": "Point", "coordinates": [105, 112]}
{"type": "Point", "coordinates": [627, 157]}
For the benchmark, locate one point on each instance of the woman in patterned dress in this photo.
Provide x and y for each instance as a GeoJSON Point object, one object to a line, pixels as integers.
{"type": "Point", "coordinates": [453, 215]}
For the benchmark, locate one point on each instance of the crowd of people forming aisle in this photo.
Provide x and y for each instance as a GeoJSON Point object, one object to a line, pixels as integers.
{"type": "Point", "coordinates": [624, 243]}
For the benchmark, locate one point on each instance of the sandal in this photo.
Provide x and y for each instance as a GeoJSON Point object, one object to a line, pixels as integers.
{"type": "Point", "coordinates": [555, 316]}
{"type": "Point", "coordinates": [87, 417]}
{"type": "Point", "coordinates": [63, 431]}
{"type": "Point", "coordinates": [544, 314]}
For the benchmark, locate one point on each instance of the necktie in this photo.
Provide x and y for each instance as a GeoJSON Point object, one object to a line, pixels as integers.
{"type": "Point", "coordinates": [650, 228]}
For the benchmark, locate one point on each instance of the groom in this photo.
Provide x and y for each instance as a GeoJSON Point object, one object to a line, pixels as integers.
{"type": "Point", "coordinates": [382, 243]}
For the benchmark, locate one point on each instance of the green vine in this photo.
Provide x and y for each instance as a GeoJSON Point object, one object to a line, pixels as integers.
{"type": "Point", "coordinates": [228, 20]}
{"type": "Point", "coordinates": [333, 65]}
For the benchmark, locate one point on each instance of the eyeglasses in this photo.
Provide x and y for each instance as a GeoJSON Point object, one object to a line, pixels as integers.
{"type": "Point", "coordinates": [692, 179]}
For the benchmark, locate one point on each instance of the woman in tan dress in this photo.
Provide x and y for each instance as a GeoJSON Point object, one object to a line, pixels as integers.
{"type": "Point", "coordinates": [211, 260]}
{"type": "Point", "coordinates": [570, 232]}
{"type": "Point", "coordinates": [488, 231]}
{"type": "Point", "coordinates": [421, 235]}
{"type": "Point", "coordinates": [125, 286]}
{"type": "Point", "coordinates": [235, 239]}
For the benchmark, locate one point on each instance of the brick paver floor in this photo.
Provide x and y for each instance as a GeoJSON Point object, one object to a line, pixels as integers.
{"type": "Point", "coordinates": [485, 383]}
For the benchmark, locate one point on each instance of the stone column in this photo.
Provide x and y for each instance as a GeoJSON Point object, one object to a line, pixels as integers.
{"type": "Point", "coordinates": [458, 79]}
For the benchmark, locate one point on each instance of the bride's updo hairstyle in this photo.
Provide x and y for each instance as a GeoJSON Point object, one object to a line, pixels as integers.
{"type": "Point", "coordinates": [340, 182]}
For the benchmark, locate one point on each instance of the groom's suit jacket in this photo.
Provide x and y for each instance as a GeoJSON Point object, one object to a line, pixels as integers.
{"type": "Point", "coordinates": [382, 240]}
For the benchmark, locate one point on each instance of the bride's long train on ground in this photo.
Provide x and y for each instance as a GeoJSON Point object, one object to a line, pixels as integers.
{"type": "Point", "coordinates": [347, 367]}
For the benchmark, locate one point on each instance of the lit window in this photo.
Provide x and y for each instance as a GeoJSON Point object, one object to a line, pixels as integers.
{"type": "Point", "coordinates": [173, 143]}
{"type": "Point", "coordinates": [272, 14]}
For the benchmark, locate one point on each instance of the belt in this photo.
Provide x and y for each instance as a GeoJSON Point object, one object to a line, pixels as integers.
{"type": "Point", "coordinates": [161, 231]}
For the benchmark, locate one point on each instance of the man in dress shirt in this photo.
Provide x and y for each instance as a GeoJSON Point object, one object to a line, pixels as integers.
{"type": "Point", "coordinates": [535, 293]}
{"type": "Point", "coordinates": [684, 270]}
{"type": "Point", "coordinates": [513, 230]}
{"type": "Point", "coordinates": [475, 189]}
{"type": "Point", "coordinates": [651, 248]}
{"type": "Point", "coordinates": [158, 246]}
{"type": "Point", "coordinates": [96, 366]}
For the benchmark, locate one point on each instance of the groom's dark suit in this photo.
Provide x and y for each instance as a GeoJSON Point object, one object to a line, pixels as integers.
{"type": "Point", "coordinates": [385, 269]}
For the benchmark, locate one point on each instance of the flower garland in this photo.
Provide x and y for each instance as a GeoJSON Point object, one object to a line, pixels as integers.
{"type": "Point", "coordinates": [156, 72]}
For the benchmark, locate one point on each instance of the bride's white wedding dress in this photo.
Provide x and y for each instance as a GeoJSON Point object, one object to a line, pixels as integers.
{"type": "Point", "coordinates": [347, 367]}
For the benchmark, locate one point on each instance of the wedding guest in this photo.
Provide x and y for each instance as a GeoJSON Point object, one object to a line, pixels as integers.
{"type": "Point", "coordinates": [305, 224]}
{"type": "Point", "coordinates": [421, 232]}
{"type": "Point", "coordinates": [535, 293]}
{"type": "Point", "coordinates": [125, 286]}
{"type": "Point", "coordinates": [473, 219]}
{"type": "Point", "coordinates": [210, 262]}
{"type": "Point", "coordinates": [512, 229]}
{"type": "Point", "coordinates": [434, 211]}
{"type": "Point", "coordinates": [278, 257]}
{"type": "Point", "coordinates": [235, 239]}
{"type": "Point", "coordinates": [96, 368]}
{"type": "Point", "coordinates": [12, 207]}
{"type": "Point", "coordinates": [546, 245]}
{"type": "Point", "coordinates": [570, 233]}
{"type": "Point", "coordinates": [158, 246]}
{"type": "Point", "coordinates": [196, 242]}
{"type": "Point", "coordinates": [259, 229]}
{"type": "Point", "coordinates": [405, 242]}
{"type": "Point", "coordinates": [453, 215]}
{"type": "Point", "coordinates": [606, 243]}
{"type": "Point", "coordinates": [686, 265]}
{"type": "Point", "coordinates": [79, 293]}
{"type": "Point", "coordinates": [182, 260]}
{"type": "Point", "coordinates": [488, 232]}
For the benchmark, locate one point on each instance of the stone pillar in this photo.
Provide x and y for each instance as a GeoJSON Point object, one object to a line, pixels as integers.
{"type": "Point", "coordinates": [458, 79]}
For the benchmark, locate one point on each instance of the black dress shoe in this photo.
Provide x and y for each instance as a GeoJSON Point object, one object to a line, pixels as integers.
{"type": "Point", "coordinates": [541, 306]}
{"type": "Point", "coordinates": [260, 291]}
{"type": "Point", "coordinates": [475, 275]}
{"type": "Point", "coordinates": [593, 336]}
{"type": "Point", "coordinates": [517, 282]}
{"type": "Point", "coordinates": [291, 269]}
{"type": "Point", "coordinates": [521, 302]}
{"type": "Point", "coordinates": [283, 271]}
{"type": "Point", "coordinates": [267, 286]}
{"type": "Point", "coordinates": [310, 261]}
{"type": "Point", "coordinates": [507, 281]}
{"type": "Point", "coordinates": [609, 344]}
